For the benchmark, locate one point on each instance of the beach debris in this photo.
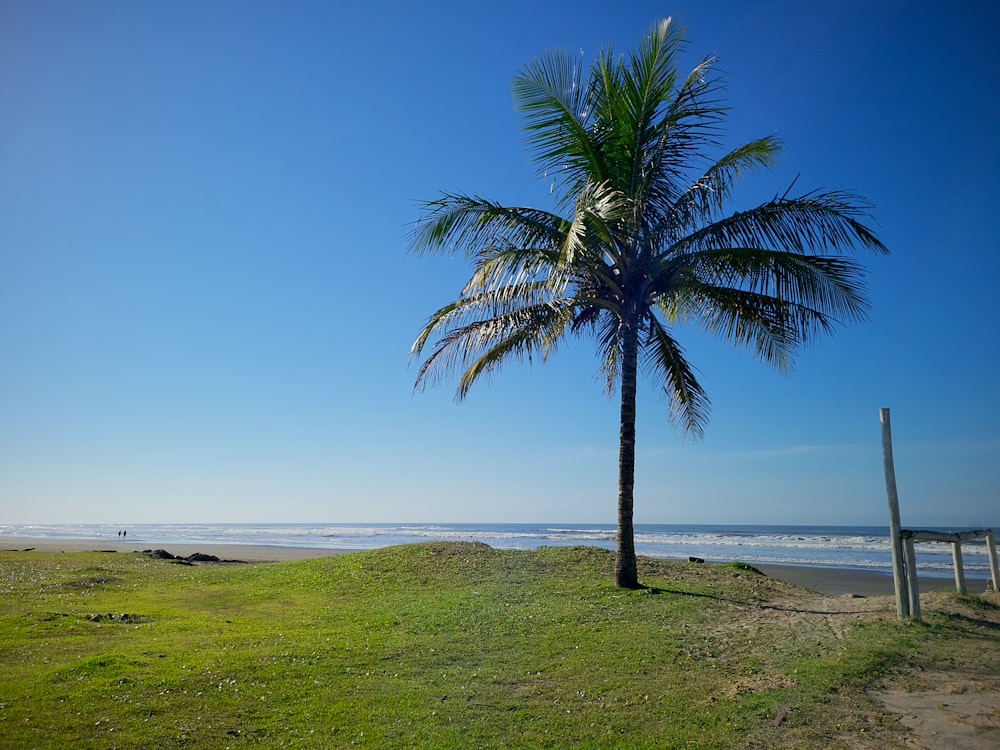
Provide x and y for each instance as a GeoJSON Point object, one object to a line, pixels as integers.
{"type": "Point", "coordinates": [783, 712]}
{"type": "Point", "coordinates": [202, 557]}
{"type": "Point", "coordinates": [695, 560]}
{"type": "Point", "coordinates": [162, 554]}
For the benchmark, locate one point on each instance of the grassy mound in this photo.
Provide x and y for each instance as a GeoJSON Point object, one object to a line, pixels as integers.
{"type": "Point", "coordinates": [438, 645]}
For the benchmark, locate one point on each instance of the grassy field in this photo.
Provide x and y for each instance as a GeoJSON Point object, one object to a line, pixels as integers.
{"type": "Point", "coordinates": [452, 646]}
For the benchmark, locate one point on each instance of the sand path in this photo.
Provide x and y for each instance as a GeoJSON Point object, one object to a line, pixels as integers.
{"type": "Point", "coordinates": [946, 707]}
{"type": "Point", "coordinates": [955, 710]}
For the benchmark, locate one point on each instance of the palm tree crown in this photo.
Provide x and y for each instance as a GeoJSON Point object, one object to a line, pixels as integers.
{"type": "Point", "coordinates": [639, 242]}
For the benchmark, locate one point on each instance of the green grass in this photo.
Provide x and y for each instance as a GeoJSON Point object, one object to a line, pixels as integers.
{"type": "Point", "coordinates": [434, 645]}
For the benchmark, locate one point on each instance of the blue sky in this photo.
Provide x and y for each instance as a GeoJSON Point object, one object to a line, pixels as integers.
{"type": "Point", "coordinates": [207, 299]}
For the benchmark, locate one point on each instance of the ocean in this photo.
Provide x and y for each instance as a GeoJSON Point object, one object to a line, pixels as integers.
{"type": "Point", "coordinates": [862, 547]}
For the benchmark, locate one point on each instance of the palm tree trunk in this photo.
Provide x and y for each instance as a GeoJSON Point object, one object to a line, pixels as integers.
{"type": "Point", "coordinates": [626, 573]}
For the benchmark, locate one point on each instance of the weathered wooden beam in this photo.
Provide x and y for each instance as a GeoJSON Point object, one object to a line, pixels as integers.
{"type": "Point", "coordinates": [922, 535]}
{"type": "Point", "coordinates": [898, 568]}
{"type": "Point", "coordinates": [991, 551]}
{"type": "Point", "coordinates": [912, 590]}
{"type": "Point", "coordinates": [956, 555]}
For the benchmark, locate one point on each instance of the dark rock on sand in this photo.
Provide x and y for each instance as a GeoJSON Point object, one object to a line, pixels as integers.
{"type": "Point", "coordinates": [195, 557]}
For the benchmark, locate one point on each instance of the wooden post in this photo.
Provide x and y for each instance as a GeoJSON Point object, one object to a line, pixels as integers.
{"type": "Point", "coordinates": [956, 556]}
{"type": "Point", "coordinates": [991, 552]}
{"type": "Point", "coordinates": [912, 588]}
{"type": "Point", "coordinates": [898, 569]}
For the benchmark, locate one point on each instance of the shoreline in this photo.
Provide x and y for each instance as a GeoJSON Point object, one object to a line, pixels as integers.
{"type": "Point", "coordinates": [825, 580]}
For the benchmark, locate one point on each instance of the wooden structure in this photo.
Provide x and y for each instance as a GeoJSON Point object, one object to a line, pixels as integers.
{"type": "Point", "coordinates": [904, 562]}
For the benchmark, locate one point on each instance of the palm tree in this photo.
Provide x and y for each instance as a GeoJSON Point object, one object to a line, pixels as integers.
{"type": "Point", "coordinates": [638, 243]}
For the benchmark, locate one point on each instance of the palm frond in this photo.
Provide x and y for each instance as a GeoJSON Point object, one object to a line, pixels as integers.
{"type": "Point", "coordinates": [592, 232]}
{"type": "Point", "coordinates": [632, 93]}
{"type": "Point", "coordinates": [484, 344]}
{"type": "Point", "coordinates": [477, 305]}
{"type": "Point", "coordinates": [507, 272]}
{"type": "Point", "coordinates": [555, 95]}
{"type": "Point", "coordinates": [707, 195]}
{"type": "Point", "coordinates": [817, 222]}
{"type": "Point", "coordinates": [834, 284]}
{"type": "Point", "coordinates": [609, 344]}
{"type": "Point", "coordinates": [772, 327]}
{"type": "Point", "coordinates": [689, 405]}
{"type": "Point", "coordinates": [687, 125]}
{"type": "Point", "coordinates": [467, 224]}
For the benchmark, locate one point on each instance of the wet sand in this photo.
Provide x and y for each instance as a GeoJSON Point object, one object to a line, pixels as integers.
{"type": "Point", "coordinates": [831, 581]}
{"type": "Point", "coordinates": [840, 581]}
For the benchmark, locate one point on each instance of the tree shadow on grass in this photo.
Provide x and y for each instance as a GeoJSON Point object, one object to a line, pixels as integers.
{"type": "Point", "coordinates": [957, 619]}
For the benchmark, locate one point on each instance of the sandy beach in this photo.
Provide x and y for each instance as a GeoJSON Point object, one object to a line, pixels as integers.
{"type": "Point", "coordinates": [830, 581]}
{"type": "Point", "coordinates": [241, 552]}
